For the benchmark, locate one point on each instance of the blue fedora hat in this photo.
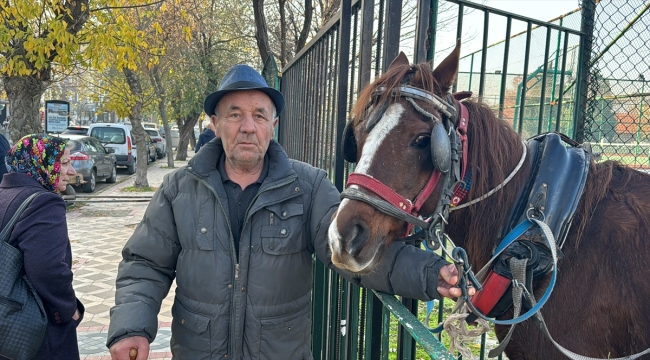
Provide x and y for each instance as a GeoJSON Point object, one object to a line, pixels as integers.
{"type": "Point", "coordinates": [242, 77]}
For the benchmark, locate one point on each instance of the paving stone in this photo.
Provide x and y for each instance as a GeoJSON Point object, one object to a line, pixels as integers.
{"type": "Point", "coordinates": [98, 232]}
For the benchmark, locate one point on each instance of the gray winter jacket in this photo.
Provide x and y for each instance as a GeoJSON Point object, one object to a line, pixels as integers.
{"type": "Point", "coordinates": [257, 306]}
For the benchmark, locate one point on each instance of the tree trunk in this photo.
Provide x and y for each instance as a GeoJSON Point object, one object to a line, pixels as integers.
{"type": "Point", "coordinates": [142, 153]}
{"type": "Point", "coordinates": [306, 25]}
{"type": "Point", "coordinates": [162, 108]}
{"type": "Point", "coordinates": [261, 30]}
{"type": "Point", "coordinates": [185, 129]}
{"type": "Point", "coordinates": [283, 33]}
{"type": "Point", "coordinates": [24, 93]}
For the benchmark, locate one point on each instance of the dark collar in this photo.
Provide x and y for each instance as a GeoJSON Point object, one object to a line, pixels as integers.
{"type": "Point", "coordinates": [221, 167]}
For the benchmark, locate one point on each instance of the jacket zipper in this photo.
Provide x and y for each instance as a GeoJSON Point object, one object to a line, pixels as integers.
{"type": "Point", "coordinates": [232, 243]}
{"type": "Point", "coordinates": [235, 262]}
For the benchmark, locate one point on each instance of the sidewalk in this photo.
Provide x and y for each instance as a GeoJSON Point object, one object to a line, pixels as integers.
{"type": "Point", "coordinates": [97, 232]}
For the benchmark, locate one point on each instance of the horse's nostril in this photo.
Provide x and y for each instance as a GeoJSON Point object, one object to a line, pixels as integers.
{"type": "Point", "coordinates": [357, 238]}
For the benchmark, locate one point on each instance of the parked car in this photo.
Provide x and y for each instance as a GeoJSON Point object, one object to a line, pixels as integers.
{"type": "Point", "coordinates": [151, 148]}
{"type": "Point", "coordinates": [92, 161]}
{"type": "Point", "coordinates": [149, 125]}
{"type": "Point", "coordinates": [175, 137]}
{"type": "Point", "coordinates": [75, 130]}
{"type": "Point", "coordinates": [118, 137]}
{"type": "Point", "coordinates": [158, 140]}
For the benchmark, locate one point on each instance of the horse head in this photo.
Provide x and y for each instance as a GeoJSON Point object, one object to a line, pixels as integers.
{"type": "Point", "coordinates": [399, 136]}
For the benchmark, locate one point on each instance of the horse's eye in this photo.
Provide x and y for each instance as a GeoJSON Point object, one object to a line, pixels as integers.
{"type": "Point", "coordinates": [421, 142]}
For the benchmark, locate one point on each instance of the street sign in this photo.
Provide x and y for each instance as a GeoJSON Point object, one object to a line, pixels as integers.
{"type": "Point", "coordinates": [57, 116]}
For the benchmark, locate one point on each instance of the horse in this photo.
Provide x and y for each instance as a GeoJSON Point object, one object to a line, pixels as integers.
{"type": "Point", "coordinates": [599, 306]}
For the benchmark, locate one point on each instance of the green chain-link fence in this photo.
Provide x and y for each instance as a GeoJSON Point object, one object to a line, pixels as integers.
{"type": "Point", "coordinates": [617, 111]}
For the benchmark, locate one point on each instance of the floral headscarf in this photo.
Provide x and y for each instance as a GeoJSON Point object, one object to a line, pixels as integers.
{"type": "Point", "coordinates": [38, 156]}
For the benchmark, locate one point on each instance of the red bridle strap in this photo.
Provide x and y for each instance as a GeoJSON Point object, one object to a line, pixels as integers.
{"type": "Point", "coordinates": [375, 186]}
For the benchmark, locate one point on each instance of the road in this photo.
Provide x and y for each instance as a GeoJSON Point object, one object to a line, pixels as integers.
{"type": "Point", "coordinates": [121, 174]}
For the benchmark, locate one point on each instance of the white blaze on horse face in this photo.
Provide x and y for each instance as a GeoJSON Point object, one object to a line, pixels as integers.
{"type": "Point", "coordinates": [377, 135]}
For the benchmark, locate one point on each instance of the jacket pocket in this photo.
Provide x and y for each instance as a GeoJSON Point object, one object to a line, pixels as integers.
{"type": "Point", "coordinates": [284, 233]}
{"type": "Point", "coordinates": [189, 329]}
{"type": "Point", "coordinates": [286, 337]}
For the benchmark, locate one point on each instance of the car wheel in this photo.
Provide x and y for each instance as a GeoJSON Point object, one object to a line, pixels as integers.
{"type": "Point", "coordinates": [113, 176]}
{"type": "Point", "coordinates": [148, 159]}
{"type": "Point", "coordinates": [90, 185]}
{"type": "Point", "coordinates": [159, 154]}
{"type": "Point", "coordinates": [131, 168]}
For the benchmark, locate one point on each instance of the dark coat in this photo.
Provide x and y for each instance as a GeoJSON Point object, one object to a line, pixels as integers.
{"type": "Point", "coordinates": [204, 138]}
{"type": "Point", "coordinates": [41, 234]}
{"type": "Point", "coordinates": [4, 148]}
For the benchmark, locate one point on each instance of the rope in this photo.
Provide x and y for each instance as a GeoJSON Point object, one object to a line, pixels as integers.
{"type": "Point", "coordinates": [460, 334]}
{"type": "Point", "coordinates": [507, 180]}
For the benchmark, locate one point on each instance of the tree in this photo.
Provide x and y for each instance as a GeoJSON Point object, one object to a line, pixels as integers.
{"type": "Point", "coordinates": [289, 29]}
{"type": "Point", "coordinates": [38, 41]}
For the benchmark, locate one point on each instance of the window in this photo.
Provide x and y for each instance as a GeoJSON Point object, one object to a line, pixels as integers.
{"type": "Point", "coordinates": [109, 135]}
{"type": "Point", "coordinates": [73, 145]}
{"type": "Point", "coordinates": [90, 146]}
{"type": "Point", "coordinates": [152, 132]}
{"type": "Point", "coordinates": [100, 148]}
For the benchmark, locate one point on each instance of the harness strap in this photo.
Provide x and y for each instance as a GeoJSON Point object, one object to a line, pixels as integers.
{"type": "Point", "coordinates": [383, 206]}
{"type": "Point", "coordinates": [389, 195]}
{"type": "Point", "coordinates": [518, 270]}
{"type": "Point", "coordinates": [550, 241]}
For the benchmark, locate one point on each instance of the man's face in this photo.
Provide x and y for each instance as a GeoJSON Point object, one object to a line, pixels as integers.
{"type": "Point", "coordinates": [245, 124]}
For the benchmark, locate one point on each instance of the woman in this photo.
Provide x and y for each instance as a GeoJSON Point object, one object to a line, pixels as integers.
{"type": "Point", "coordinates": [41, 164]}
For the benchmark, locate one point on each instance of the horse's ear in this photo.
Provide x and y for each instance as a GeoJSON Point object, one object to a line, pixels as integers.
{"type": "Point", "coordinates": [401, 59]}
{"type": "Point", "coordinates": [445, 73]}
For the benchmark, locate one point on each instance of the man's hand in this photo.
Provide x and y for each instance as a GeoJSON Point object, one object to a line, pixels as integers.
{"type": "Point", "coordinates": [121, 349]}
{"type": "Point", "coordinates": [447, 281]}
{"type": "Point", "coordinates": [76, 315]}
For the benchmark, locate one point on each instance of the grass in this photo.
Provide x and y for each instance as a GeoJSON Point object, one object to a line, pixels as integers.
{"type": "Point", "coordinates": [139, 189]}
{"type": "Point", "coordinates": [419, 351]}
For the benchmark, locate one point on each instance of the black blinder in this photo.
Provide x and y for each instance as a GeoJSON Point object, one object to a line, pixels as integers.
{"type": "Point", "coordinates": [440, 148]}
{"type": "Point", "coordinates": [349, 144]}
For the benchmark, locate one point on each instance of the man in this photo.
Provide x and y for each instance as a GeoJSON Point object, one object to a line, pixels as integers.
{"type": "Point", "coordinates": [237, 229]}
{"type": "Point", "coordinates": [206, 135]}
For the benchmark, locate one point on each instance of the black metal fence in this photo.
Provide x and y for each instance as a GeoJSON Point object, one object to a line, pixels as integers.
{"type": "Point", "coordinates": [554, 76]}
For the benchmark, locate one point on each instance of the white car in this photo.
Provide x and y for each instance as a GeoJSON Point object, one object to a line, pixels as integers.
{"type": "Point", "coordinates": [118, 137]}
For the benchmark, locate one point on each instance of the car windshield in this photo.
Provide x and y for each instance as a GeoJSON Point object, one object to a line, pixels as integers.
{"type": "Point", "coordinates": [109, 135]}
{"type": "Point", "coordinates": [152, 133]}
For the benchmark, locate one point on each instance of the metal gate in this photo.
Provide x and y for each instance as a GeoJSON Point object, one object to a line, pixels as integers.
{"type": "Point", "coordinates": [536, 79]}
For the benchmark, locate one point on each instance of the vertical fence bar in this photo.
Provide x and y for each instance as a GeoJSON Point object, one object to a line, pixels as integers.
{"type": "Point", "coordinates": [542, 96]}
{"type": "Point", "coordinates": [524, 84]}
{"type": "Point", "coordinates": [504, 70]}
{"type": "Point", "coordinates": [365, 58]}
{"type": "Point", "coordinates": [433, 23]}
{"type": "Point", "coordinates": [588, 15]}
{"type": "Point", "coordinates": [392, 31]}
{"type": "Point", "coordinates": [422, 28]}
{"type": "Point", "coordinates": [481, 84]}
{"type": "Point", "coordinates": [459, 33]}
{"type": "Point", "coordinates": [343, 71]}
{"type": "Point", "coordinates": [565, 50]}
